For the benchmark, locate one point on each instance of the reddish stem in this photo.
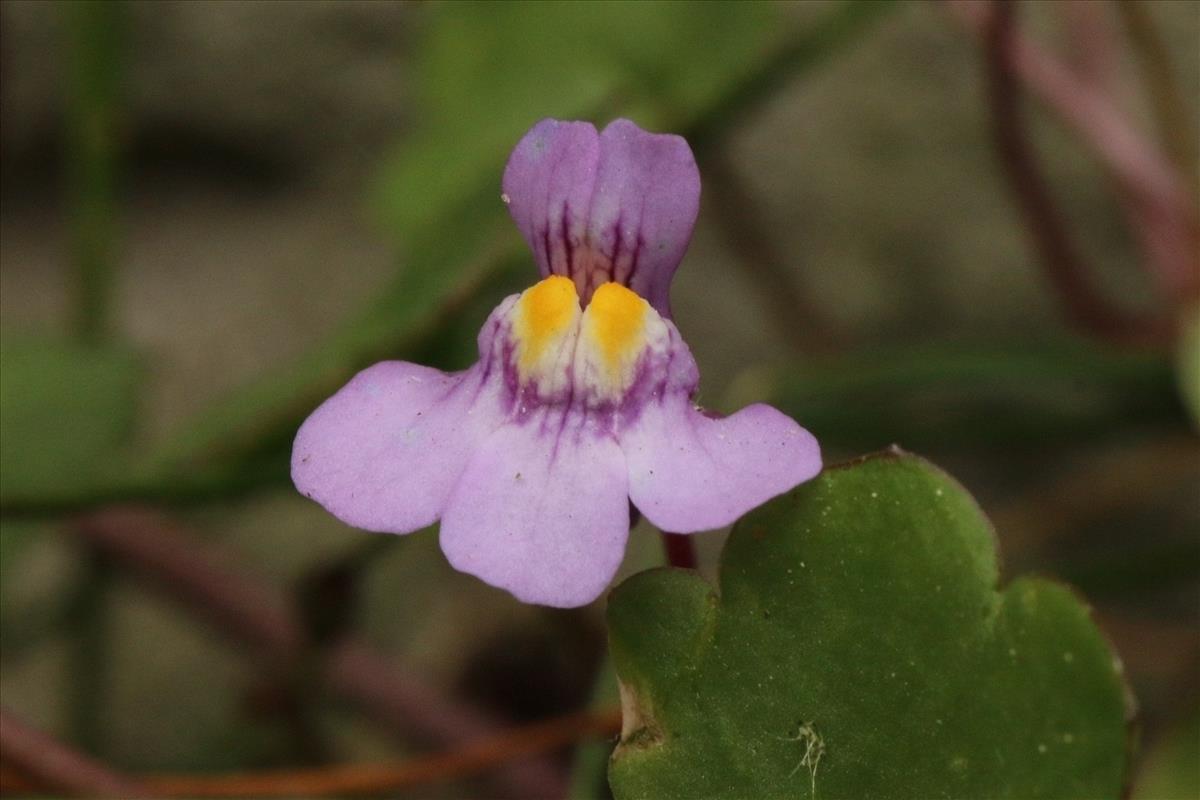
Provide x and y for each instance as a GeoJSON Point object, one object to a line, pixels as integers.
{"type": "Point", "coordinates": [1065, 266]}
{"type": "Point", "coordinates": [206, 579]}
{"type": "Point", "coordinates": [358, 779]}
{"type": "Point", "coordinates": [55, 765]}
{"type": "Point", "coordinates": [1165, 218]}
{"type": "Point", "coordinates": [681, 552]}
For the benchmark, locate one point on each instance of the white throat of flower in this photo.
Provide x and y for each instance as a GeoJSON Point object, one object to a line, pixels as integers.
{"type": "Point", "coordinates": [591, 354]}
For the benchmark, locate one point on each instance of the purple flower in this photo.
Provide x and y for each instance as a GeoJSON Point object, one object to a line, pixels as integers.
{"type": "Point", "coordinates": [618, 206]}
{"type": "Point", "coordinates": [581, 399]}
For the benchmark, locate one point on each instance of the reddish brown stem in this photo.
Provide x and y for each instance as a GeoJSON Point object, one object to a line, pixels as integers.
{"type": "Point", "coordinates": [375, 779]}
{"type": "Point", "coordinates": [680, 549]}
{"type": "Point", "coordinates": [203, 578]}
{"type": "Point", "coordinates": [51, 764]}
{"type": "Point", "coordinates": [1065, 267]}
{"type": "Point", "coordinates": [1176, 126]}
{"type": "Point", "coordinates": [1163, 215]}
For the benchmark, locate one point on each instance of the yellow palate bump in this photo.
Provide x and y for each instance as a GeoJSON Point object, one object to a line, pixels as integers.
{"type": "Point", "coordinates": [618, 318]}
{"type": "Point", "coordinates": [545, 312]}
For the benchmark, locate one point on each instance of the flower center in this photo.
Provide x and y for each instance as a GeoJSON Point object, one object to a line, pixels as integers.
{"type": "Point", "coordinates": [591, 355]}
{"type": "Point", "coordinates": [615, 322]}
{"type": "Point", "coordinates": [547, 313]}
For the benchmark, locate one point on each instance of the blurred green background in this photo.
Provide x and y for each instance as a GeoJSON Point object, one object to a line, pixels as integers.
{"type": "Point", "coordinates": [214, 213]}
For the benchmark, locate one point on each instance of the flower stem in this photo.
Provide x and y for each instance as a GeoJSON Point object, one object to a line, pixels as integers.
{"type": "Point", "coordinates": [680, 550]}
{"type": "Point", "coordinates": [91, 155]}
{"type": "Point", "coordinates": [204, 579]}
{"type": "Point", "coordinates": [1175, 125]}
{"type": "Point", "coordinates": [1069, 274]}
{"type": "Point", "coordinates": [89, 652]}
{"type": "Point", "coordinates": [91, 137]}
{"type": "Point", "coordinates": [54, 765]}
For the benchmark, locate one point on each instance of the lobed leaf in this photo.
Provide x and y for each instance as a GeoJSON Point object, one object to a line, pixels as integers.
{"type": "Point", "coordinates": [859, 648]}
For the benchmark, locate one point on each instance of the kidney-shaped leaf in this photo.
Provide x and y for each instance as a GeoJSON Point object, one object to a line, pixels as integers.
{"type": "Point", "coordinates": [859, 648]}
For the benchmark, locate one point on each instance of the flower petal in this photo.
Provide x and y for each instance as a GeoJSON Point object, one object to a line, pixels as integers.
{"type": "Point", "coordinates": [548, 185]}
{"type": "Point", "coordinates": [616, 206]}
{"type": "Point", "coordinates": [384, 452]}
{"type": "Point", "coordinates": [690, 472]}
{"type": "Point", "coordinates": [644, 208]}
{"type": "Point", "coordinates": [541, 511]}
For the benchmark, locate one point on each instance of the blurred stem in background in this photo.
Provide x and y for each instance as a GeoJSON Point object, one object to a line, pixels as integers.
{"type": "Point", "coordinates": [1156, 199]}
{"type": "Point", "coordinates": [931, 398]}
{"type": "Point", "coordinates": [89, 617]}
{"type": "Point", "coordinates": [855, 401]}
{"type": "Point", "coordinates": [91, 157]}
{"type": "Point", "coordinates": [93, 80]}
{"type": "Point", "coordinates": [806, 49]}
{"type": "Point", "coordinates": [1175, 127]}
{"type": "Point", "coordinates": [1066, 268]}
{"type": "Point", "coordinates": [326, 598]}
{"type": "Point", "coordinates": [213, 584]}
{"type": "Point", "coordinates": [800, 322]}
{"type": "Point", "coordinates": [32, 754]}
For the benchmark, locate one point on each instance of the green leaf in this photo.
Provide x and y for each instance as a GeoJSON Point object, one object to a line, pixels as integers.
{"type": "Point", "coordinates": [859, 648]}
{"type": "Point", "coordinates": [65, 411]}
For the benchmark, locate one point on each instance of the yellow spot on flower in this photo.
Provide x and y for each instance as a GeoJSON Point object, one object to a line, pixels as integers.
{"type": "Point", "coordinates": [545, 313]}
{"type": "Point", "coordinates": [616, 323]}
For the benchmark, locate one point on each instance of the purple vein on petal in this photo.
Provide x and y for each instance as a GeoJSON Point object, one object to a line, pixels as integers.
{"type": "Point", "coordinates": [570, 189]}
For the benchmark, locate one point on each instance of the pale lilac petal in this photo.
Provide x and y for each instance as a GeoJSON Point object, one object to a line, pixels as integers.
{"type": "Point", "coordinates": [541, 511]}
{"type": "Point", "coordinates": [690, 472]}
{"type": "Point", "coordinates": [615, 206]}
{"type": "Point", "coordinates": [646, 201]}
{"type": "Point", "coordinates": [384, 452]}
{"type": "Point", "coordinates": [548, 185]}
